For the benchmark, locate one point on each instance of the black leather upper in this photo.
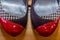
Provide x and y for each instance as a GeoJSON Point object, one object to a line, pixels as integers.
{"type": "Point", "coordinates": [37, 20]}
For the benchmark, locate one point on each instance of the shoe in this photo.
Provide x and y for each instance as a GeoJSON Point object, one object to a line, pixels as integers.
{"type": "Point", "coordinates": [13, 16]}
{"type": "Point", "coordinates": [44, 16]}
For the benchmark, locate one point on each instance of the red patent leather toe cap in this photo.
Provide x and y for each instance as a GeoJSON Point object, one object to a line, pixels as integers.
{"type": "Point", "coordinates": [11, 28]}
{"type": "Point", "coordinates": [47, 29]}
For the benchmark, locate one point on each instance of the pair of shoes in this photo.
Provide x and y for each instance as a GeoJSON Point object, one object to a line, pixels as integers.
{"type": "Point", "coordinates": [15, 13]}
